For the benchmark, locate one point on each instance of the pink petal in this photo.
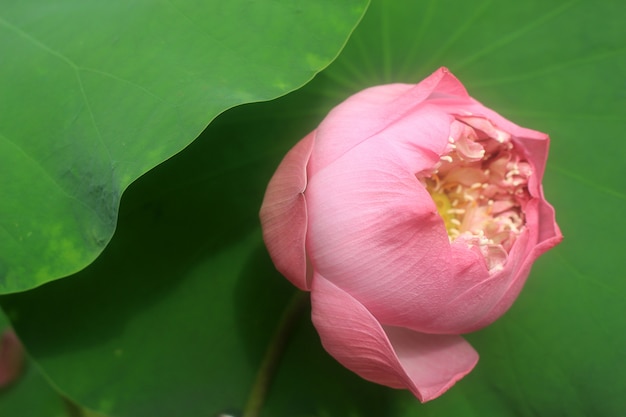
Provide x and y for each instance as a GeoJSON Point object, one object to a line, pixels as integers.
{"type": "Point", "coordinates": [484, 125]}
{"type": "Point", "coordinates": [284, 214]}
{"type": "Point", "coordinates": [549, 234]}
{"type": "Point", "coordinates": [427, 365]}
{"type": "Point", "coordinates": [11, 358]}
{"type": "Point", "coordinates": [373, 110]}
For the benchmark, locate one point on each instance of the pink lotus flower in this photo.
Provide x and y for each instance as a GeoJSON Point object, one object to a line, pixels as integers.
{"type": "Point", "coordinates": [413, 214]}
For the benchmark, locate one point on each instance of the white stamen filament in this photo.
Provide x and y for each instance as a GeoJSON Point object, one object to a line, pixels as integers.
{"type": "Point", "coordinates": [488, 213]}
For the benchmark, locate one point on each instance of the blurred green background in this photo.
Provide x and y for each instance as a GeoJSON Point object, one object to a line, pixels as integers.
{"type": "Point", "coordinates": [174, 316]}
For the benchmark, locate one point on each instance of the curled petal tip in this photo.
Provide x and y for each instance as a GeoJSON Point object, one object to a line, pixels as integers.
{"type": "Point", "coordinates": [425, 364]}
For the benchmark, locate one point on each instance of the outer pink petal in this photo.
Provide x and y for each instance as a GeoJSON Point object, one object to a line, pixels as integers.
{"type": "Point", "coordinates": [425, 364]}
{"type": "Point", "coordinates": [373, 110]}
{"type": "Point", "coordinates": [284, 214]}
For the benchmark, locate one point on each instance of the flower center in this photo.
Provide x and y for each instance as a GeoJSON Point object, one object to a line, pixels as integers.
{"type": "Point", "coordinates": [480, 188]}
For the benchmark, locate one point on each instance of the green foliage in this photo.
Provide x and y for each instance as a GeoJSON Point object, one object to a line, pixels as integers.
{"type": "Point", "coordinates": [174, 316]}
{"type": "Point", "coordinates": [94, 94]}
{"type": "Point", "coordinates": [30, 395]}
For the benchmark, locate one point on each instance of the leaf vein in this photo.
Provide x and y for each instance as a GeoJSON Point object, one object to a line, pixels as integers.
{"type": "Point", "coordinates": [38, 43]}
{"type": "Point", "coordinates": [47, 174]}
{"type": "Point", "coordinates": [469, 23]}
{"type": "Point", "coordinates": [123, 80]}
{"type": "Point", "coordinates": [515, 35]}
{"type": "Point", "coordinates": [526, 75]}
{"type": "Point", "coordinates": [591, 184]}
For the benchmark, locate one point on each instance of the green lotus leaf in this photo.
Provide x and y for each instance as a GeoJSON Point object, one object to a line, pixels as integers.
{"type": "Point", "coordinates": [95, 94]}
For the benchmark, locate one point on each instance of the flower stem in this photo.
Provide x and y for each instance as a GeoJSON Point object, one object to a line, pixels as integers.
{"type": "Point", "coordinates": [274, 352]}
